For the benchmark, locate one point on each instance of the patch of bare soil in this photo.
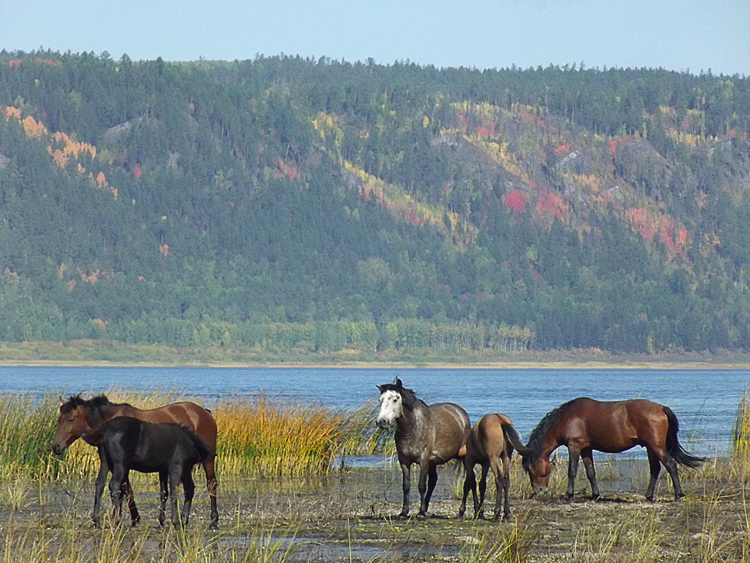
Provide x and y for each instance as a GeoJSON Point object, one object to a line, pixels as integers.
{"type": "Point", "coordinates": [351, 517]}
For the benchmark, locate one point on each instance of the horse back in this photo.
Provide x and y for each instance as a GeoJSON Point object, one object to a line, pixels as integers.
{"type": "Point", "coordinates": [487, 436]}
{"type": "Point", "coordinates": [612, 426]}
{"type": "Point", "coordinates": [183, 413]}
{"type": "Point", "coordinates": [150, 447]}
{"type": "Point", "coordinates": [451, 430]}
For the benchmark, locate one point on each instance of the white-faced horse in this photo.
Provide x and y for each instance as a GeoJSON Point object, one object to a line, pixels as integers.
{"type": "Point", "coordinates": [429, 435]}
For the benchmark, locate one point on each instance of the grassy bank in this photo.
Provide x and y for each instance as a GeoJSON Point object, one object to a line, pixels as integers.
{"type": "Point", "coordinates": [257, 436]}
{"type": "Point", "coordinates": [106, 352]}
{"type": "Point", "coordinates": [350, 518]}
{"type": "Point", "coordinates": [348, 515]}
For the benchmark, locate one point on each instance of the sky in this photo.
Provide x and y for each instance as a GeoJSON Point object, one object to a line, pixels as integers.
{"type": "Point", "coordinates": [681, 35]}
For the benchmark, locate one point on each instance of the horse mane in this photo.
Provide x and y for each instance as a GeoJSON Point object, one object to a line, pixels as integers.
{"type": "Point", "coordinates": [536, 438]}
{"type": "Point", "coordinates": [408, 395]}
{"type": "Point", "coordinates": [93, 406]}
{"type": "Point", "coordinates": [410, 399]}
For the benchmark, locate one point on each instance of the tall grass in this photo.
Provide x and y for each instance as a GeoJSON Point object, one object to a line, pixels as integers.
{"type": "Point", "coordinates": [741, 432]}
{"type": "Point", "coordinates": [258, 436]}
{"type": "Point", "coordinates": [26, 429]}
{"type": "Point", "coordinates": [69, 543]}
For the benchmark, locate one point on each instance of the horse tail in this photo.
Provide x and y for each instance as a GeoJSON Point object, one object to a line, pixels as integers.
{"type": "Point", "coordinates": [204, 451]}
{"type": "Point", "coordinates": [674, 447]}
{"type": "Point", "coordinates": [515, 440]}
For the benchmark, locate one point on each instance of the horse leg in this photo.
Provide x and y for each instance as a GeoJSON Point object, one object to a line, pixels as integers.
{"type": "Point", "coordinates": [188, 486]}
{"type": "Point", "coordinates": [212, 485]}
{"type": "Point", "coordinates": [426, 495]}
{"type": "Point", "coordinates": [502, 485]}
{"type": "Point", "coordinates": [655, 467]}
{"type": "Point", "coordinates": [127, 490]}
{"type": "Point", "coordinates": [174, 478]}
{"type": "Point", "coordinates": [406, 487]}
{"type": "Point", "coordinates": [99, 486]}
{"type": "Point", "coordinates": [671, 465]}
{"type": "Point", "coordinates": [495, 467]}
{"type": "Point", "coordinates": [163, 496]}
{"type": "Point", "coordinates": [479, 506]}
{"type": "Point", "coordinates": [572, 471]}
{"type": "Point", "coordinates": [470, 483]}
{"type": "Point", "coordinates": [587, 456]}
{"type": "Point", "coordinates": [119, 475]}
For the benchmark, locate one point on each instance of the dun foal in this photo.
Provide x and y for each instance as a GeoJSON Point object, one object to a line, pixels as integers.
{"type": "Point", "coordinates": [491, 442]}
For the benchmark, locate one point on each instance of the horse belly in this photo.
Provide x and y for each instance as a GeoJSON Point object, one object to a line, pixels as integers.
{"type": "Point", "coordinates": [613, 442]}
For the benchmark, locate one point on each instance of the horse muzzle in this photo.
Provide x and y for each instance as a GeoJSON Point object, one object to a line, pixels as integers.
{"type": "Point", "coordinates": [57, 448]}
{"type": "Point", "coordinates": [539, 490]}
{"type": "Point", "coordinates": [383, 423]}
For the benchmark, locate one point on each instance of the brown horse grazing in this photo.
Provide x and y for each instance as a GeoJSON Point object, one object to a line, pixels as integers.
{"type": "Point", "coordinates": [491, 441]}
{"type": "Point", "coordinates": [584, 425]}
{"type": "Point", "coordinates": [80, 417]}
{"type": "Point", "coordinates": [429, 435]}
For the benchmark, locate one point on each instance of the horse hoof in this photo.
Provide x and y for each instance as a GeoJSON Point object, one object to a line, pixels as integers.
{"type": "Point", "coordinates": [402, 516]}
{"type": "Point", "coordinates": [422, 516]}
{"type": "Point", "coordinates": [595, 497]}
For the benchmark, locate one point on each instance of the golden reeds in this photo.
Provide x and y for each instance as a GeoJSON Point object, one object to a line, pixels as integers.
{"type": "Point", "coordinates": [258, 436]}
{"type": "Point", "coordinates": [741, 432]}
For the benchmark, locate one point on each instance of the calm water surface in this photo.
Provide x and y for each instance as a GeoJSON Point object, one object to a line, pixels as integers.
{"type": "Point", "coordinates": [705, 401]}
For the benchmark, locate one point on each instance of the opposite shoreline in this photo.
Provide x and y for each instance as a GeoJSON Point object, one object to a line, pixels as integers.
{"type": "Point", "coordinates": [88, 353]}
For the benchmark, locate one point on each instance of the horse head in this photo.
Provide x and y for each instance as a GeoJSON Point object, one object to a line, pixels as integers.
{"type": "Point", "coordinates": [72, 423]}
{"type": "Point", "coordinates": [391, 403]}
{"type": "Point", "coordinates": [539, 469]}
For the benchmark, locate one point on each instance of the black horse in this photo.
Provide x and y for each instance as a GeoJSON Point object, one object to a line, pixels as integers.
{"type": "Point", "coordinates": [80, 417]}
{"type": "Point", "coordinates": [429, 435]}
{"type": "Point", "coordinates": [168, 449]}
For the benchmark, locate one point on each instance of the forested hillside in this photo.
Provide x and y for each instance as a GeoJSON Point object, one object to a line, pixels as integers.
{"type": "Point", "coordinates": [287, 203]}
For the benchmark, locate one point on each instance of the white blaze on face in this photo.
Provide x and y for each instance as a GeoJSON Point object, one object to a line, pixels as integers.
{"type": "Point", "coordinates": [391, 407]}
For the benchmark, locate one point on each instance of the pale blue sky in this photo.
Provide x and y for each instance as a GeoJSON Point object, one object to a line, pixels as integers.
{"type": "Point", "coordinates": [673, 34]}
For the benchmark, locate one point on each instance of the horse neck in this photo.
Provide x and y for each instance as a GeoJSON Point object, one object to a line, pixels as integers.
{"type": "Point", "coordinates": [411, 419]}
{"type": "Point", "coordinates": [550, 443]}
{"type": "Point", "coordinates": [92, 436]}
{"type": "Point", "coordinates": [111, 411]}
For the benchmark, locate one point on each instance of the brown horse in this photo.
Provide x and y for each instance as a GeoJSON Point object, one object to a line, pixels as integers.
{"type": "Point", "coordinates": [429, 435]}
{"type": "Point", "coordinates": [584, 425]}
{"type": "Point", "coordinates": [491, 442]}
{"type": "Point", "coordinates": [80, 417]}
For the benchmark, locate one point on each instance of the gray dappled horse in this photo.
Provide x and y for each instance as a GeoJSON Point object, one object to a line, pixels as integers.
{"type": "Point", "coordinates": [429, 435]}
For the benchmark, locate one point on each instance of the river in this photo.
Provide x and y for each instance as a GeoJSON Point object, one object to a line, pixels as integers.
{"type": "Point", "coordinates": [705, 401]}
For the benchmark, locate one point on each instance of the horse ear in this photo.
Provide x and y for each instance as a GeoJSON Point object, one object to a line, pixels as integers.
{"type": "Point", "coordinates": [381, 388]}
{"type": "Point", "coordinates": [397, 382]}
{"type": "Point", "coordinates": [62, 401]}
